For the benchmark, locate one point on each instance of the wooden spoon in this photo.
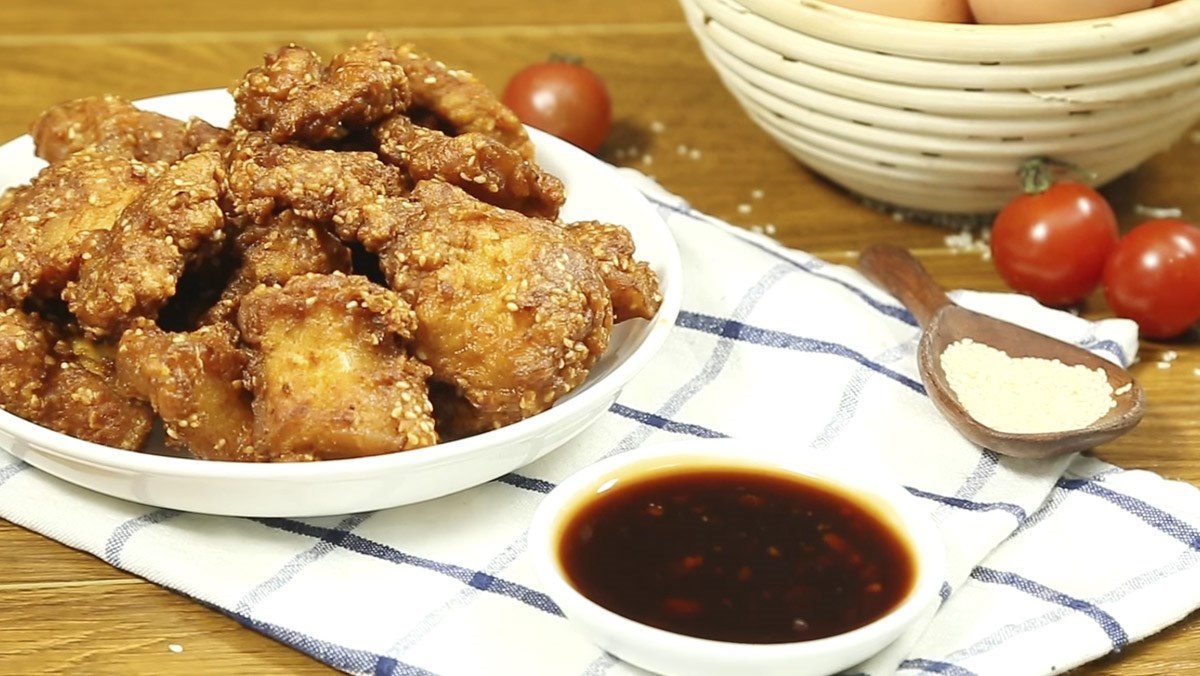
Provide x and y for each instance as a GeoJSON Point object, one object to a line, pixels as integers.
{"type": "Point", "coordinates": [944, 323]}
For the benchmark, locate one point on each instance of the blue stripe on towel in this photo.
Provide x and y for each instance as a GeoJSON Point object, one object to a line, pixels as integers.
{"type": "Point", "coordinates": [970, 505]}
{"type": "Point", "coordinates": [10, 471]}
{"type": "Point", "coordinates": [1110, 346]}
{"type": "Point", "coordinates": [935, 667]}
{"type": "Point", "coordinates": [655, 420]}
{"type": "Point", "coordinates": [474, 578]}
{"type": "Point", "coordinates": [1107, 622]}
{"type": "Point", "coordinates": [527, 482]}
{"type": "Point", "coordinates": [332, 654]}
{"type": "Point", "coordinates": [1163, 521]}
{"type": "Point", "coordinates": [125, 532]}
{"type": "Point", "coordinates": [728, 328]}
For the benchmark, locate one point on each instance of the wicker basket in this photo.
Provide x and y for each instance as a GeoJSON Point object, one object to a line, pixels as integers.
{"type": "Point", "coordinates": [938, 117]}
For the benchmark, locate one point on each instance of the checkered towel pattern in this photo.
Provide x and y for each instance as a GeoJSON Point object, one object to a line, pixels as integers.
{"type": "Point", "coordinates": [1051, 564]}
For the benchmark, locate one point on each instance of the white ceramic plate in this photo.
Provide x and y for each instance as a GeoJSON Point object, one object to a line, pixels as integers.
{"type": "Point", "coordinates": [594, 191]}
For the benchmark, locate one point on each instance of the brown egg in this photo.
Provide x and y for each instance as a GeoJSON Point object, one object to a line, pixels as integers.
{"type": "Point", "coordinates": [1050, 11]}
{"type": "Point", "coordinates": [950, 11]}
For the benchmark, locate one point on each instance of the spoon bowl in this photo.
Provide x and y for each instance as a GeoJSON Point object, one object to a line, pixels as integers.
{"type": "Point", "coordinates": [945, 323]}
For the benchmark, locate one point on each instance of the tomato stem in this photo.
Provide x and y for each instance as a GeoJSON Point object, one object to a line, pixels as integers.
{"type": "Point", "coordinates": [572, 59]}
{"type": "Point", "coordinates": [1037, 174]}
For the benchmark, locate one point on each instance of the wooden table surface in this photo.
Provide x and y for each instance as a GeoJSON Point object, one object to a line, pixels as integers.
{"type": "Point", "coordinates": [67, 611]}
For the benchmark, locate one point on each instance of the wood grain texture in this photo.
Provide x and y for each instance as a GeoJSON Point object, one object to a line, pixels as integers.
{"type": "Point", "coordinates": [66, 611]}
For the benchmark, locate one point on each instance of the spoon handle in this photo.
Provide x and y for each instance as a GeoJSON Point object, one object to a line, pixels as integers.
{"type": "Point", "coordinates": [894, 268]}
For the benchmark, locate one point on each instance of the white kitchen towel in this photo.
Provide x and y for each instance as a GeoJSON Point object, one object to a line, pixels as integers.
{"type": "Point", "coordinates": [1051, 564]}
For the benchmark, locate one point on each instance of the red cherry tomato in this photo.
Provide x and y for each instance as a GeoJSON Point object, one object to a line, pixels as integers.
{"type": "Point", "coordinates": [1053, 245]}
{"type": "Point", "coordinates": [565, 99]}
{"type": "Point", "coordinates": [1153, 277]}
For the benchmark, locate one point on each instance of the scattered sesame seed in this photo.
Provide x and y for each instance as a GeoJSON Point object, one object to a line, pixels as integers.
{"type": "Point", "coordinates": [175, 648]}
{"type": "Point", "coordinates": [757, 193]}
{"type": "Point", "coordinates": [657, 127]}
{"type": "Point", "coordinates": [1170, 356]}
{"type": "Point", "coordinates": [1164, 365]}
{"type": "Point", "coordinates": [681, 149]}
{"type": "Point", "coordinates": [744, 208]}
{"type": "Point", "coordinates": [647, 159]}
{"type": "Point", "coordinates": [769, 228]}
{"type": "Point", "coordinates": [694, 154]}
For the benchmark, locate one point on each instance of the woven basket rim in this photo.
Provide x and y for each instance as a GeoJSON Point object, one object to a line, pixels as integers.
{"type": "Point", "coordinates": [979, 42]}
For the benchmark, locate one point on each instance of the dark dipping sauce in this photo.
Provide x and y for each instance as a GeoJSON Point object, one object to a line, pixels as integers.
{"type": "Point", "coordinates": [736, 555]}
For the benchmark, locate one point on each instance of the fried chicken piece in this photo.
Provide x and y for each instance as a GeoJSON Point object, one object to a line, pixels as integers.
{"type": "Point", "coordinates": [286, 246]}
{"type": "Point", "coordinates": [116, 127]}
{"type": "Point", "coordinates": [41, 380]}
{"type": "Point", "coordinates": [511, 313]}
{"type": "Point", "coordinates": [55, 223]}
{"type": "Point", "coordinates": [293, 98]}
{"type": "Point", "coordinates": [354, 192]}
{"type": "Point", "coordinates": [330, 375]}
{"type": "Point", "coordinates": [87, 406]}
{"type": "Point", "coordinates": [632, 285]}
{"type": "Point", "coordinates": [480, 165]}
{"type": "Point", "coordinates": [26, 362]}
{"type": "Point", "coordinates": [195, 382]}
{"type": "Point", "coordinates": [460, 102]}
{"type": "Point", "coordinates": [134, 272]}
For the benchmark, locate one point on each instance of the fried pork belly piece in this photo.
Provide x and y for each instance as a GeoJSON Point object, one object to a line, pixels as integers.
{"type": "Point", "coordinates": [293, 98]}
{"type": "Point", "coordinates": [116, 127]}
{"type": "Point", "coordinates": [480, 165]}
{"type": "Point", "coordinates": [632, 285]}
{"type": "Point", "coordinates": [511, 313]}
{"type": "Point", "coordinates": [460, 102]}
{"type": "Point", "coordinates": [195, 382]}
{"type": "Point", "coordinates": [360, 196]}
{"type": "Point", "coordinates": [134, 272]}
{"type": "Point", "coordinates": [53, 224]}
{"type": "Point", "coordinates": [286, 246]}
{"type": "Point", "coordinates": [41, 380]}
{"type": "Point", "coordinates": [330, 374]}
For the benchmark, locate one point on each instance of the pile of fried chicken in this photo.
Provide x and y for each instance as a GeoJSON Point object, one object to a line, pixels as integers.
{"type": "Point", "coordinates": [368, 261]}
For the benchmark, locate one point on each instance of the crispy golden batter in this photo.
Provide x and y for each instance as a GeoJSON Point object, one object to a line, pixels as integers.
{"type": "Point", "coordinates": [286, 246]}
{"type": "Point", "coordinates": [87, 406]}
{"type": "Point", "coordinates": [9, 197]}
{"type": "Point", "coordinates": [41, 380]}
{"type": "Point", "coordinates": [25, 361]}
{"type": "Point", "coordinates": [482, 166]}
{"type": "Point", "coordinates": [460, 102]}
{"type": "Point", "coordinates": [195, 382]}
{"type": "Point", "coordinates": [117, 127]}
{"type": "Point", "coordinates": [632, 284]}
{"type": "Point", "coordinates": [361, 197]}
{"type": "Point", "coordinates": [293, 98]}
{"type": "Point", "coordinates": [330, 376]}
{"type": "Point", "coordinates": [53, 224]}
{"type": "Point", "coordinates": [511, 313]}
{"type": "Point", "coordinates": [176, 221]}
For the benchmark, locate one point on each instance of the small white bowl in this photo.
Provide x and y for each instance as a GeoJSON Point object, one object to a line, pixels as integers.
{"type": "Point", "coordinates": [670, 653]}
